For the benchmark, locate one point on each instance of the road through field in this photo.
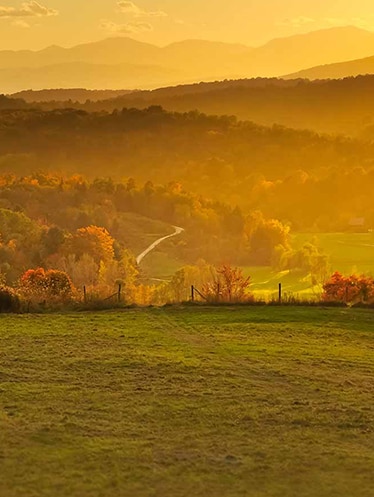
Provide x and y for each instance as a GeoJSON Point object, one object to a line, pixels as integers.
{"type": "Point", "coordinates": [177, 232]}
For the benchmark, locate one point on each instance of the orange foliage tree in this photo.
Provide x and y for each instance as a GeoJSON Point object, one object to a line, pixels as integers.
{"type": "Point", "coordinates": [228, 285]}
{"type": "Point", "coordinates": [51, 284]}
{"type": "Point", "coordinates": [348, 289]}
{"type": "Point", "coordinates": [94, 241]}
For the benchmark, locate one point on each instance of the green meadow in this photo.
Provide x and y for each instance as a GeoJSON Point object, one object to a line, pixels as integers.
{"type": "Point", "coordinates": [188, 401]}
{"type": "Point", "coordinates": [349, 253]}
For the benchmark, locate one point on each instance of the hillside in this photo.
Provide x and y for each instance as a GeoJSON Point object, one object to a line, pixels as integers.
{"type": "Point", "coordinates": [348, 105]}
{"type": "Point", "coordinates": [12, 103]}
{"type": "Point", "coordinates": [272, 169]}
{"type": "Point", "coordinates": [325, 46]}
{"type": "Point", "coordinates": [86, 75]}
{"type": "Point", "coordinates": [337, 70]}
{"type": "Point", "coordinates": [71, 94]}
{"type": "Point", "coordinates": [118, 63]}
{"type": "Point", "coordinates": [121, 62]}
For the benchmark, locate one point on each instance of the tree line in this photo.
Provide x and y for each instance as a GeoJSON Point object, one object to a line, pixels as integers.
{"type": "Point", "coordinates": [86, 230]}
{"type": "Point", "coordinates": [298, 177]}
{"type": "Point", "coordinates": [334, 106]}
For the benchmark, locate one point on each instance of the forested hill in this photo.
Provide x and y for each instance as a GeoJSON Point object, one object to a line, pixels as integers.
{"type": "Point", "coordinates": [333, 106]}
{"type": "Point", "coordinates": [295, 176]}
{"type": "Point", "coordinates": [177, 144]}
{"type": "Point", "coordinates": [7, 103]}
{"type": "Point", "coordinates": [64, 95]}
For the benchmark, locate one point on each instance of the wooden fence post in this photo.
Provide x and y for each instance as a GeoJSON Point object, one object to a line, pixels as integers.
{"type": "Point", "coordinates": [280, 293]}
{"type": "Point", "coordinates": [192, 293]}
{"type": "Point", "coordinates": [119, 292]}
{"type": "Point", "coordinates": [85, 294]}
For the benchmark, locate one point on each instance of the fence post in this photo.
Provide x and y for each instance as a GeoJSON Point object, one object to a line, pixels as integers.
{"type": "Point", "coordinates": [85, 294]}
{"type": "Point", "coordinates": [119, 292]}
{"type": "Point", "coordinates": [280, 293]}
{"type": "Point", "coordinates": [192, 293]}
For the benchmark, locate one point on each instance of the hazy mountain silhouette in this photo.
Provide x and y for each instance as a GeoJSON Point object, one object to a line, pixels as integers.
{"type": "Point", "coordinates": [311, 49]}
{"type": "Point", "coordinates": [75, 74]}
{"type": "Point", "coordinates": [125, 63]}
{"type": "Point", "coordinates": [338, 70]}
{"type": "Point", "coordinates": [112, 51]}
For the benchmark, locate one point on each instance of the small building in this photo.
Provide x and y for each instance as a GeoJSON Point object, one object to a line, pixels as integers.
{"type": "Point", "coordinates": [358, 225]}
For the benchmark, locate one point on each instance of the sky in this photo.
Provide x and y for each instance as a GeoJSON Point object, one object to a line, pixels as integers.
{"type": "Point", "coordinates": [30, 24]}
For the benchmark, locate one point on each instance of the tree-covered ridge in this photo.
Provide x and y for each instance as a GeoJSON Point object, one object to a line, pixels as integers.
{"type": "Point", "coordinates": [333, 106]}
{"type": "Point", "coordinates": [12, 103]}
{"type": "Point", "coordinates": [298, 177]}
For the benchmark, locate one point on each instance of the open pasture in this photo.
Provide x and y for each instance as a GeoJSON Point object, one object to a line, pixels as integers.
{"type": "Point", "coordinates": [189, 401]}
{"type": "Point", "coordinates": [349, 253]}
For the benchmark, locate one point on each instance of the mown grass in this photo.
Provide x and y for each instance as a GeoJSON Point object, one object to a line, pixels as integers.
{"type": "Point", "coordinates": [350, 253]}
{"type": "Point", "coordinates": [219, 402]}
{"type": "Point", "coordinates": [159, 265]}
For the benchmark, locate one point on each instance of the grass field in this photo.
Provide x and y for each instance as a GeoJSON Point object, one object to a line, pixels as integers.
{"type": "Point", "coordinates": [182, 402]}
{"type": "Point", "coordinates": [138, 232]}
{"type": "Point", "coordinates": [350, 253]}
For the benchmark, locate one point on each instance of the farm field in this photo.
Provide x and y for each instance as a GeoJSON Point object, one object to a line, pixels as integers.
{"type": "Point", "coordinates": [188, 401]}
{"type": "Point", "coordinates": [350, 253]}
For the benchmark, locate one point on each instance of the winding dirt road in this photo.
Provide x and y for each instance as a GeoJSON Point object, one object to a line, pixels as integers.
{"type": "Point", "coordinates": [177, 232]}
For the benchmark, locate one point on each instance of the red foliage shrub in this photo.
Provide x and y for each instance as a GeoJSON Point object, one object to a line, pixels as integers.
{"type": "Point", "coordinates": [349, 289]}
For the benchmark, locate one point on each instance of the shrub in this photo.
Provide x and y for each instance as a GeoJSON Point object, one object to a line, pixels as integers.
{"type": "Point", "coordinates": [9, 300]}
{"type": "Point", "coordinates": [228, 285]}
{"type": "Point", "coordinates": [349, 289]}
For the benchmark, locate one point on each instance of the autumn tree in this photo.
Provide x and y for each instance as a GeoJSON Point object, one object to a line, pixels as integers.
{"type": "Point", "coordinates": [122, 271]}
{"type": "Point", "coordinates": [83, 271]}
{"type": "Point", "coordinates": [94, 241]}
{"type": "Point", "coordinates": [48, 285]}
{"type": "Point", "coordinates": [265, 235]}
{"type": "Point", "coordinates": [52, 239]}
{"type": "Point", "coordinates": [309, 258]}
{"type": "Point", "coordinates": [228, 285]}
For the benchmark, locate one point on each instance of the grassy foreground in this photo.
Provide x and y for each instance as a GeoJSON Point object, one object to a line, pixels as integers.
{"type": "Point", "coordinates": [206, 402]}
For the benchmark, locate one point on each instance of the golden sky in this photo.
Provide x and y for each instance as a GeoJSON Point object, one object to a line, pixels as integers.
{"type": "Point", "coordinates": [36, 24]}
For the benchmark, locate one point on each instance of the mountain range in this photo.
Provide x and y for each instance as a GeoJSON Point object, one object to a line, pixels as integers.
{"type": "Point", "coordinates": [122, 62]}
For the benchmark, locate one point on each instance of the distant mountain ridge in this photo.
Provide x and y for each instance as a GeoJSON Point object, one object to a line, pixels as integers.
{"type": "Point", "coordinates": [86, 75]}
{"type": "Point", "coordinates": [117, 63]}
{"type": "Point", "coordinates": [338, 70]}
